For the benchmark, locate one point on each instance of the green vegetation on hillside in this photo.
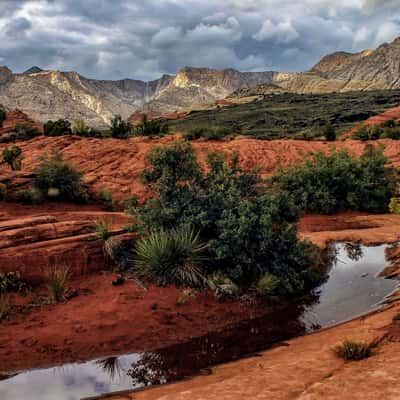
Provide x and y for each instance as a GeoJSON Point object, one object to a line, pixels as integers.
{"type": "Point", "coordinates": [241, 230]}
{"type": "Point", "coordinates": [328, 184]}
{"type": "Point", "coordinates": [388, 130]}
{"type": "Point", "coordinates": [3, 116]}
{"type": "Point", "coordinates": [300, 116]}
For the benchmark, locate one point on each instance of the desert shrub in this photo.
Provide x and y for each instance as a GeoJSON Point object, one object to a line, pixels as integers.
{"type": "Point", "coordinates": [221, 132]}
{"type": "Point", "coordinates": [336, 182]}
{"type": "Point", "coordinates": [130, 203]}
{"type": "Point", "coordinates": [55, 177]}
{"type": "Point", "coordinates": [11, 282]}
{"type": "Point", "coordinates": [151, 128]}
{"type": "Point", "coordinates": [194, 133]}
{"type": "Point", "coordinates": [3, 191]}
{"type": "Point", "coordinates": [329, 133]}
{"type": "Point", "coordinates": [106, 199]}
{"type": "Point", "coordinates": [57, 128]}
{"type": "Point", "coordinates": [120, 129]}
{"type": "Point", "coordinates": [102, 229]}
{"type": "Point", "coordinates": [81, 129]}
{"type": "Point", "coordinates": [3, 116]}
{"type": "Point", "coordinates": [26, 132]}
{"type": "Point", "coordinates": [58, 276]}
{"type": "Point", "coordinates": [394, 205]}
{"type": "Point", "coordinates": [243, 224]}
{"type": "Point", "coordinates": [368, 132]}
{"type": "Point", "coordinates": [353, 351]}
{"type": "Point", "coordinates": [171, 257]}
{"type": "Point", "coordinates": [29, 196]}
{"type": "Point", "coordinates": [267, 285]}
{"type": "Point", "coordinates": [391, 133]}
{"type": "Point", "coordinates": [13, 157]}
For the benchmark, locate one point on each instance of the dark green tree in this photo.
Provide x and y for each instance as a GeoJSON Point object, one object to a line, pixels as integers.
{"type": "Point", "coordinates": [120, 129]}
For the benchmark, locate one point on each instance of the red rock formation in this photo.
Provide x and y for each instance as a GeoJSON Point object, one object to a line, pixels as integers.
{"type": "Point", "coordinates": [32, 243]}
{"type": "Point", "coordinates": [16, 117]}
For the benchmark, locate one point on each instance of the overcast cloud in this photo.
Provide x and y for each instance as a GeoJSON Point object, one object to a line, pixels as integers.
{"type": "Point", "coordinates": [143, 39]}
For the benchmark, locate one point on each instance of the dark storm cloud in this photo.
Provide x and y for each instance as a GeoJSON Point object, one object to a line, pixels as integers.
{"type": "Point", "coordinates": [146, 38]}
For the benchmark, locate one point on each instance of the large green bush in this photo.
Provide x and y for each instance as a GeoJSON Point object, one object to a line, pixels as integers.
{"type": "Point", "coordinates": [336, 182]}
{"type": "Point", "coordinates": [249, 232]}
{"type": "Point", "coordinates": [56, 178]}
{"type": "Point", "coordinates": [57, 128]}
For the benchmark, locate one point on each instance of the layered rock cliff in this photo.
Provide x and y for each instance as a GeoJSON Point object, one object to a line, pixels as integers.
{"type": "Point", "coordinates": [53, 94]}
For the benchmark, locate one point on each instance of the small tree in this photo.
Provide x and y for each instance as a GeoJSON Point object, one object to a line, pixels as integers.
{"type": "Point", "coordinates": [57, 128]}
{"type": "Point", "coordinates": [330, 133]}
{"type": "Point", "coordinates": [120, 129]}
{"type": "Point", "coordinates": [151, 128]}
{"type": "Point", "coordinates": [57, 178]}
{"type": "Point", "coordinates": [13, 157]}
{"type": "Point", "coordinates": [3, 116]}
{"type": "Point", "coordinates": [80, 128]}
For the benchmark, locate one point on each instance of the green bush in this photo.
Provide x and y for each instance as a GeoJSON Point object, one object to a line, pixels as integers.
{"type": "Point", "coordinates": [106, 199]}
{"type": "Point", "coordinates": [13, 157]}
{"type": "Point", "coordinates": [212, 133]}
{"type": "Point", "coordinates": [12, 282]}
{"type": "Point", "coordinates": [353, 351]}
{"type": "Point", "coordinates": [29, 196]}
{"type": "Point", "coordinates": [120, 129]}
{"type": "Point", "coordinates": [3, 116]}
{"type": "Point", "coordinates": [368, 132]}
{"type": "Point", "coordinates": [3, 191]}
{"type": "Point", "coordinates": [267, 285]}
{"type": "Point", "coordinates": [151, 128]}
{"type": "Point", "coordinates": [57, 128]}
{"type": "Point", "coordinates": [81, 129]}
{"type": "Point", "coordinates": [243, 224]}
{"type": "Point", "coordinates": [171, 257]}
{"type": "Point", "coordinates": [337, 182]}
{"type": "Point", "coordinates": [329, 133]}
{"type": "Point", "coordinates": [394, 205]}
{"type": "Point", "coordinates": [54, 175]}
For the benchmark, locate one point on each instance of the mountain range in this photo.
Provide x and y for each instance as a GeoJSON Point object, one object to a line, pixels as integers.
{"type": "Point", "coordinates": [54, 94]}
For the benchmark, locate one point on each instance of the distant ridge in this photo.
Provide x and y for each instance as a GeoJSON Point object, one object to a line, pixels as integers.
{"type": "Point", "coordinates": [55, 94]}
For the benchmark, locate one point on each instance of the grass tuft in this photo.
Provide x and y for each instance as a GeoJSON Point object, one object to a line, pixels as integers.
{"type": "Point", "coordinates": [58, 276]}
{"type": "Point", "coordinates": [353, 351]}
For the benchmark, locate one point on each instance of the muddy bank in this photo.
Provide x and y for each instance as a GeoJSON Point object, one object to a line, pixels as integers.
{"type": "Point", "coordinates": [104, 320]}
{"type": "Point", "coordinates": [303, 369]}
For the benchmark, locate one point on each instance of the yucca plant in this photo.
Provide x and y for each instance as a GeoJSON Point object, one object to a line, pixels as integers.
{"type": "Point", "coordinates": [171, 257]}
{"type": "Point", "coordinates": [102, 229]}
{"type": "Point", "coordinates": [110, 366]}
{"type": "Point", "coordinates": [58, 276]}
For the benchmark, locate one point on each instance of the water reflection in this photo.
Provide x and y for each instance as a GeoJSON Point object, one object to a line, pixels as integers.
{"type": "Point", "coordinates": [352, 288]}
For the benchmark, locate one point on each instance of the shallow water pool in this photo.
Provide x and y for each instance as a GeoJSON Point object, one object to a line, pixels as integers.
{"type": "Point", "coordinates": [352, 288]}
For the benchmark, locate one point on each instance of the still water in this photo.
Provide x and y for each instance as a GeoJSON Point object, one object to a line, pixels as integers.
{"type": "Point", "coordinates": [353, 288]}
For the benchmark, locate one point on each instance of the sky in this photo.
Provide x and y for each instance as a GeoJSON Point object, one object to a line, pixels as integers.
{"type": "Point", "coordinates": [143, 39]}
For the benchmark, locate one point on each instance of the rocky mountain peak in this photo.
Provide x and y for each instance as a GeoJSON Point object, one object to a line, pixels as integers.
{"type": "Point", "coordinates": [33, 70]}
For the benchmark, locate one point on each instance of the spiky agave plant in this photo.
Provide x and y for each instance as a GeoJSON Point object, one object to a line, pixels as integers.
{"type": "Point", "coordinates": [171, 257]}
